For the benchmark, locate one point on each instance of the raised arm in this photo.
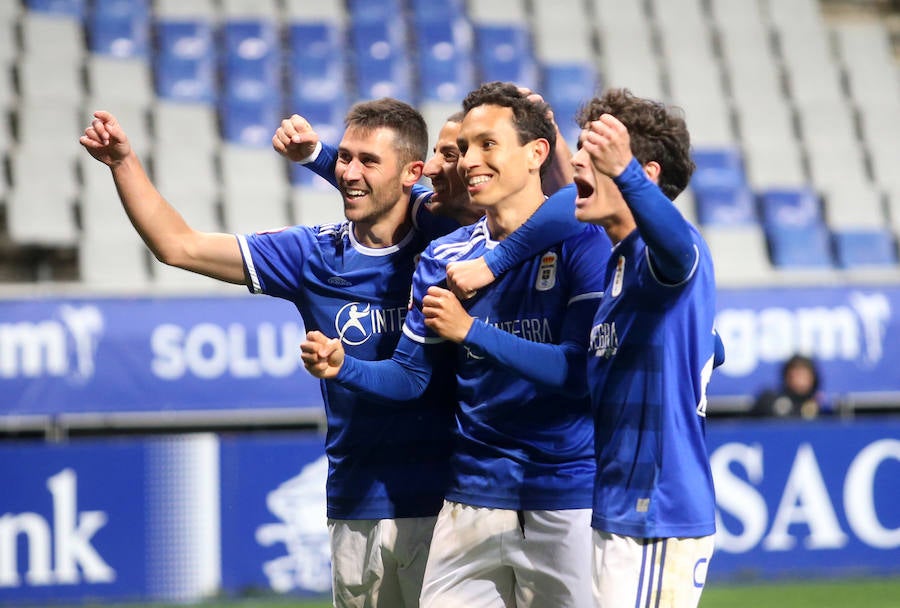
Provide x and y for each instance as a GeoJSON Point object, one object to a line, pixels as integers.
{"type": "Point", "coordinates": [161, 227]}
{"type": "Point", "coordinates": [297, 141]}
{"type": "Point", "coordinates": [661, 225]}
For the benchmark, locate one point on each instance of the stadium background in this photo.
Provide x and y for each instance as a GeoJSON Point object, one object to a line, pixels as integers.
{"type": "Point", "coordinates": [159, 441]}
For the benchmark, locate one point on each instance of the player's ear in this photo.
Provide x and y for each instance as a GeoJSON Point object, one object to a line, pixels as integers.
{"type": "Point", "coordinates": [412, 172]}
{"type": "Point", "coordinates": [653, 170]}
{"type": "Point", "coordinates": [538, 153]}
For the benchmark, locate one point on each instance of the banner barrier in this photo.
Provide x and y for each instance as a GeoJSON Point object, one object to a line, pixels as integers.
{"type": "Point", "coordinates": [179, 518]}
{"type": "Point", "coordinates": [196, 354]}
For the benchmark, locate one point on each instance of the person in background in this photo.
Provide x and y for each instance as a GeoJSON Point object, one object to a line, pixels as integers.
{"type": "Point", "coordinates": [798, 396]}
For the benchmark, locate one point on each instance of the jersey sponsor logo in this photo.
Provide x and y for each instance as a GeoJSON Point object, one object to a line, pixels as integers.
{"type": "Point", "coordinates": [604, 340]}
{"type": "Point", "coordinates": [619, 276]}
{"type": "Point", "coordinates": [299, 504]}
{"type": "Point", "coordinates": [338, 282]}
{"type": "Point", "coordinates": [546, 276]}
{"type": "Point", "coordinates": [853, 332]}
{"type": "Point", "coordinates": [355, 322]}
{"type": "Point", "coordinates": [62, 348]}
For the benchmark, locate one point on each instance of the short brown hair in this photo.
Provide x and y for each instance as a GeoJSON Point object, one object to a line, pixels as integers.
{"type": "Point", "coordinates": [408, 124]}
{"type": "Point", "coordinates": [658, 133]}
{"type": "Point", "coordinates": [531, 120]}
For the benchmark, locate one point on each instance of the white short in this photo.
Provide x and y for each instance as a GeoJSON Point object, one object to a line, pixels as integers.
{"type": "Point", "coordinates": [379, 563]}
{"type": "Point", "coordinates": [484, 557]}
{"type": "Point", "coordinates": [659, 572]}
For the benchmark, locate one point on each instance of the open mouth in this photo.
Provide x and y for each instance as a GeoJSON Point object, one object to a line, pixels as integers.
{"type": "Point", "coordinates": [585, 190]}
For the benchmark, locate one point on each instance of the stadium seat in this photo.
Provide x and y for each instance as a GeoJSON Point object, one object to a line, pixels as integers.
{"type": "Point", "coordinates": [179, 10]}
{"type": "Point", "coordinates": [133, 79]}
{"type": "Point", "coordinates": [503, 52]}
{"type": "Point", "coordinates": [69, 8]}
{"type": "Point", "coordinates": [173, 122]}
{"type": "Point", "coordinates": [119, 34]}
{"type": "Point", "coordinates": [863, 248]}
{"type": "Point", "coordinates": [41, 211]}
{"type": "Point", "coordinates": [800, 246]}
{"type": "Point", "coordinates": [557, 37]}
{"type": "Point", "coordinates": [725, 206]}
{"type": "Point", "coordinates": [255, 189]}
{"type": "Point", "coordinates": [366, 11]}
{"type": "Point", "coordinates": [250, 122]}
{"type": "Point", "coordinates": [185, 39]}
{"type": "Point", "coordinates": [444, 60]}
{"type": "Point", "coordinates": [629, 59]}
{"type": "Point", "coordinates": [429, 11]}
{"type": "Point", "coordinates": [186, 79]}
{"type": "Point", "coordinates": [53, 41]}
{"type": "Point", "coordinates": [316, 62]}
{"type": "Point", "coordinates": [313, 207]}
{"type": "Point", "coordinates": [790, 207]}
{"type": "Point", "coordinates": [382, 66]}
{"type": "Point", "coordinates": [304, 10]}
{"type": "Point", "coordinates": [250, 9]}
{"type": "Point", "coordinates": [497, 12]}
{"type": "Point", "coordinates": [740, 254]}
{"type": "Point", "coordinates": [853, 205]}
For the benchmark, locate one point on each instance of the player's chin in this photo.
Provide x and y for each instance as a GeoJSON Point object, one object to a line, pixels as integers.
{"type": "Point", "coordinates": [583, 213]}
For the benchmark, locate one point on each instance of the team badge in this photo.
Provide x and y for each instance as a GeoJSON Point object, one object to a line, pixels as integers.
{"type": "Point", "coordinates": [619, 277]}
{"type": "Point", "coordinates": [546, 277]}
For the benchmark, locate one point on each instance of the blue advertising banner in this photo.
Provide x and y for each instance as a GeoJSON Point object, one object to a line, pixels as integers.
{"type": "Point", "coordinates": [852, 333]}
{"type": "Point", "coordinates": [158, 355]}
{"type": "Point", "coordinates": [151, 354]}
{"type": "Point", "coordinates": [118, 519]}
{"type": "Point", "coordinates": [806, 499]}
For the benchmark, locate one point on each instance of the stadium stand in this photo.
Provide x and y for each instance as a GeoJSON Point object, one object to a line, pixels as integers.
{"type": "Point", "coordinates": [788, 103]}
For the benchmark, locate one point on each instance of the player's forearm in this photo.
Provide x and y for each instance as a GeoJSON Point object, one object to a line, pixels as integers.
{"type": "Point", "coordinates": [387, 379]}
{"type": "Point", "coordinates": [553, 222]}
{"type": "Point", "coordinates": [663, 228]}
{"type": "Point", "coordinates": [167, 234]}
{"type": "Point", "coordinates": [559, 366]}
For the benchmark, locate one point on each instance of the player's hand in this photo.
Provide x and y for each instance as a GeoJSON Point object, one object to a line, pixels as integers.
{"type": "Point", "coordinates": [322, 356]}
{"type": "Point", "coordinates": [445, 315]}
{"type": "Point", "coordinates": [105, 140]}
{"type": "Point", "coordinates": [465, 278]}
{"type": "Point", "coordinates": [295, 138]}
{"type": "Point", "coordinates": [609, 145]}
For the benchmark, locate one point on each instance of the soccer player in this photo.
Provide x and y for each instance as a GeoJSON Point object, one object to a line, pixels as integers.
{"type": "Point", "coordinates": [388, 463]}
{"type": "Point", "coordinates": [652, 351]}
{"type": "Point", "coordinates": [513, 528]}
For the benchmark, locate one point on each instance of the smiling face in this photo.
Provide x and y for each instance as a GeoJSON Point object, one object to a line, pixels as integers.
{"type": "Point", "coordinates": [370, 174]}
{"type": "Point", "coordinates": [493, 164]}
{"type": "Point", "coordinates": [450, 195]}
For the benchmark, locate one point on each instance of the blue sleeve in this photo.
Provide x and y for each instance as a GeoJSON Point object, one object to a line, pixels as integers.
{"type": "Point", "coordinates": [561, 366]}
{"type": "Point", "coordinates": [323, 162]}
{"type": "Point", "coordinates": [400, 378]}
{"type": "Point", "coordinates": [553, 222]}
{"type": "Point", "coordinates": [663, 228]}
{"type": "Point", "coordinates": [719, 350]}
{"type": "Point", "coordinates": [431, 225]}
{"type": "Point", "coordinates": [275, 261]}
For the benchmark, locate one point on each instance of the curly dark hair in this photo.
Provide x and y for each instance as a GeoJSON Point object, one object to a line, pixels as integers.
{"type": "Point", "coordinates": [658, 133]}
{"type": "Point", "coordinates": [531, 120]}
{"type": "Point", "coordinates": [408, 124]}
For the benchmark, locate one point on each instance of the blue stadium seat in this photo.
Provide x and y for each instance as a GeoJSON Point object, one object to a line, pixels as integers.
{"type": "Point", "coordinates": [119, 34]}
{"type": "Point", "coordinates": [250, 122]}
{"type": "Point", "coordinates": [188, 80]}
{"type": "Point", "coordinates": [566, 86]}
{"type": "Point", "coordinates": [429, 11]}
{"type": "Point", "coordinates": [800, 247]}
{"type": "Point", "coordinates": [250, 39]}
{"type": "Point", "coordinates": [856, 248]}
{"type": "Point", "coordinates": [790, 207]}
{"type": "Point", "coordinates": [70, 8]}
{"type": "Point", "coordinates": [382, 66]}
{"type": "Point", "coordinates": [130, 8]}
{"type": "Point", "coordinates": [503, 52]}
{"type": "Point", "coordinates": [725, 206]}
{"type": "Point", "coordinates": [446, 72]}
{"type": "Point", "coordinates": [366, 11]}
{"type": "Point", "coordinates": [718, 168]}
{"type": "Point", "coordinates": [185, 39]}
{"type": "Point", "coordinates": [316, 62]}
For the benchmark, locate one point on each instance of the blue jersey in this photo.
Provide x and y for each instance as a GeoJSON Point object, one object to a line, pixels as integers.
{"type": "Point", "coordinates": [385, 460]}
{"type": "Point", "coordinates": [520, 444]}
{"type": "Point", "coordinates": [650, 358]}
